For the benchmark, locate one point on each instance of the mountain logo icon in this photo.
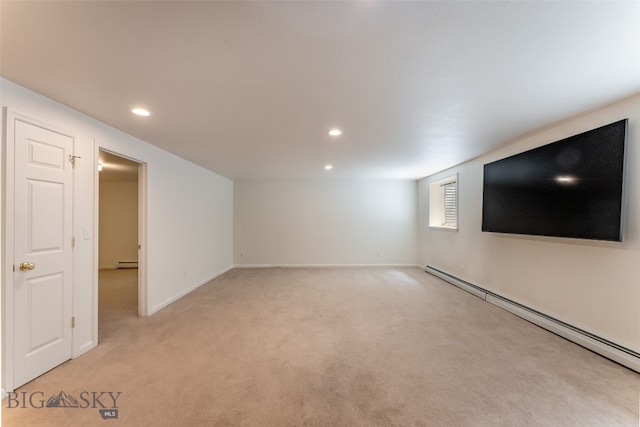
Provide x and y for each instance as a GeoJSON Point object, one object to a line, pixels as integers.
{"type": "Point", "coordinates": [62, 400]}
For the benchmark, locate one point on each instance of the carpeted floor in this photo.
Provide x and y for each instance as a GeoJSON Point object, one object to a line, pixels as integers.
{"type": "Point", "coordinates": [329, 347]}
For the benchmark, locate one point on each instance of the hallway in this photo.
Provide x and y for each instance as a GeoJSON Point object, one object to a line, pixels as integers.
{"type": "Point", "coordinates": [117, 301]}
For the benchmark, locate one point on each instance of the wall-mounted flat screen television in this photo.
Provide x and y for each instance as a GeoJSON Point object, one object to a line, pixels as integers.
{"type": "Point", "coordinates": [569, 188]}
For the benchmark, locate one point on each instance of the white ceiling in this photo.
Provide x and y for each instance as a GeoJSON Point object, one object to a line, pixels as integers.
{"type": "Point", "coordinates": [250, 89]}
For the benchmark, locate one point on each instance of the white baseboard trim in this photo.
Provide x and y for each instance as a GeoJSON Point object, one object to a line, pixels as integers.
{"type": "Point", "coordinates": [162, 305]}
{"type": "Point", "coordinates": [610, 350]}
{"type": "Point", "coordinates": [327, 266]}
{"type": "Point", "coordinates": [252, 266]}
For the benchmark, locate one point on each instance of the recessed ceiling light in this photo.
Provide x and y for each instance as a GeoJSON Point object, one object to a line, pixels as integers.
{"type": "Point", "coordinates": [335, 132]}
{"type": "Point", "coordinates": [328, 167]}
{"type": "Point", "coordinates": [566, 179]}
{"type": "Point", "coordinates": [141, 112]}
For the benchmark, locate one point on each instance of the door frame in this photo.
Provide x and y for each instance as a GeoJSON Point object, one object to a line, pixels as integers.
{"type": "Point", "coordinates": [143, 303]}
{"type": "Point", "coordinates": [8, 232]}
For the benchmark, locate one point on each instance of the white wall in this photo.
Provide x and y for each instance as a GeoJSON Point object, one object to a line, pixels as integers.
{"type": "Point", "coordinates": [589, 284]}
{"type": "Point", "coordinates": [325, 222]}
{"type": "Point", "coordinates": [190, 211]}
{"type": "Point", "coordinates": [118, 223]}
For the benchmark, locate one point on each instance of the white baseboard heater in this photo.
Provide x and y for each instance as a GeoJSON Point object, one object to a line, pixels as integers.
{"type": "Point", "coordinates": [606, 348]}
{"type": "Point", "coordinates": [127, 264]}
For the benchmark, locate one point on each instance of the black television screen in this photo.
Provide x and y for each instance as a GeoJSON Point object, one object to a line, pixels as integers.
{"type": "Point", "coordinates": [569, 188]}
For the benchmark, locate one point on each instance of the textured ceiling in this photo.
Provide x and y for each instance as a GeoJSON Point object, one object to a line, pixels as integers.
{"type": "Point", "coordinates": [250, 89]}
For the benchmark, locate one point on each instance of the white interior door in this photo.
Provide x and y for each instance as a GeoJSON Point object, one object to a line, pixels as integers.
{"type": "Point", "coordinates": [42, 293]}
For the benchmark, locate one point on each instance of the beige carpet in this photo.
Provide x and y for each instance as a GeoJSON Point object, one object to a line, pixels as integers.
{"type": "Point", "coordinates": [332, 347]}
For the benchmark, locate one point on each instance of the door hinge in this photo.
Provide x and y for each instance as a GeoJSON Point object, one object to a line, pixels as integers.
{"type": "Point", "coordinates": [73, 322]}
{"type": "Point", "coordinates": [73, 158]}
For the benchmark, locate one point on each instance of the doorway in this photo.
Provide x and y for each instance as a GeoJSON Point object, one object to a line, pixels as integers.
{"type": "Point", "coordinates": [119, 216]}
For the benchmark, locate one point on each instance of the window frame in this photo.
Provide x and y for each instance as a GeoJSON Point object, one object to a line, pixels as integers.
{"type": "Point", "coordinates": [443, 203]}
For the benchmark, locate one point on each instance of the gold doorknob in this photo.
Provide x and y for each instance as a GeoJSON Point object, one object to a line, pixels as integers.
{"type": "Point", "coordinates": [27, 266]}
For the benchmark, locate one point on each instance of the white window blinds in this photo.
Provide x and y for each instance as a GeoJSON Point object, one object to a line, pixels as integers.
{"type": "Point", "coordinates": [443, 203]}
{"type": "Point", "coordinates": [450, 204]}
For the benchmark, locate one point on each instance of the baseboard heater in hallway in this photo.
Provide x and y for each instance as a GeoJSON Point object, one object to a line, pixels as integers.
{"type": "Point", "coordinates": [606, 348]}
{"type": "Point", "coordinates": [127, 264]}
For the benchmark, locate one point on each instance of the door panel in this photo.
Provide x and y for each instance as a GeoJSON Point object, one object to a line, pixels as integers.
{"type": "Point", "coordinates": [42, 238]}
{"type": "Point", "coordinates": [44, 301]}
{"type": "Point", "coordinates": [46, 216]}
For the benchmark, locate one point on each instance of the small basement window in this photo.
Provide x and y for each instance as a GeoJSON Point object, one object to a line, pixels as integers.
{"type": "Point", "coordinates": [443, 203]}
